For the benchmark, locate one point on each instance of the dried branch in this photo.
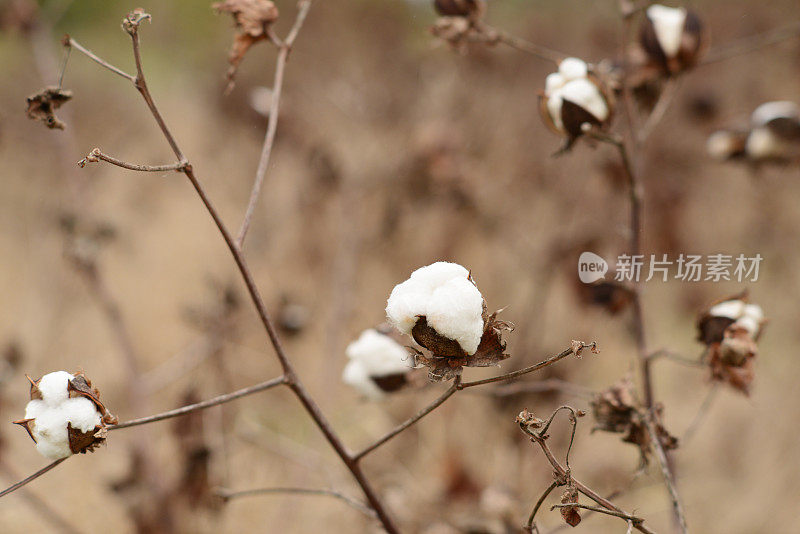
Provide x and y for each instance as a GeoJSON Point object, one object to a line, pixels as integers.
{"type": "Point", "coordinates": [622, 515]}
{"type": "Point", "coordinates": [72, 43]}
{"type": "Point", "coordinates": [549, 384]}
{"type": "Point", "coordinates": [272, 122]}
{"type": "Point", "coordinates": [530, 526]}
{"type": "Point", "coordinates": [522, 45]}
{"type": "Point", "coordinates": [221, 399]}
{"type": "Point", "coordinates": [665, 99]}
{"type": "Point", "coordinates": [96, 155]}
{"type": "Point", "coordinates": [752, 43]}
{"type": "Point", "coordinates": [227, 495]}
{"type": "Point", "coordinates": [702, 411]}
{"type": "Point", "coordinates": [665, 470]}
{"type": "Point", "coordinates": [31, 478]}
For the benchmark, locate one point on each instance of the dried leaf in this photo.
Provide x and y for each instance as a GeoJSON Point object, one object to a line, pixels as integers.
{"type": "Point", "coordinates": [570, 513]}
{"type": "Point", "coordinates": [42, 106]}
{"type": "Point", "coordinates": [253, 19]}
{"type": "Point", "coordinates": [733, 359]}
{"type": "Point", "coordinates": [83, 442]}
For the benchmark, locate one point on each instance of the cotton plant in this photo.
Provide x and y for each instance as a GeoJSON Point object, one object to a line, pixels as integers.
{"type": "Point", "coordinates": [65, 415]}
{"type": "Point", "coordinates": [730, 329]}
{"type": "Point", "coordinates": [377, 364]}
{"type": "Point", "coordinates": [441, 308]}
{"type": "Point", "coordinates": [772, 135]}
{"type": "Point", "coordinates": [573, 98]}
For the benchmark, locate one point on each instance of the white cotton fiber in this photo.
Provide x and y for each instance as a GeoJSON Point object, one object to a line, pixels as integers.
{"type": "Point", "coordinates": [444, 294]}
{"type": "Point", "coordinates": [34, 408]}
{"type": "Point", "coordinates": [356, 375]}
{"type": "Point", "coordinates": [553, 82]}
{"type": "Point", "coordinates": [50, 432]}
{"type": "Point", "coordinates": [732, 309]}
{"type": "Point", "coordinates": [54, 387]}
{"type": "Point", "coordinates": [720, 144]}
{"type": "Point", "coordinates": [586, 94]}
{"type": "Point", "coordinates": [668, 23]}
{"type": "Point", "coordinates": [81, 413]}
{"type": "Point", "coordinates": [762, 144]}
{"type": "Point", "coordinates": [456, 312]}
{"type": "Point", "coordinates": [573, 68]}
{"type": "Point", "coordinates": [773, 110]}
{"type": "Point", "coordinates": [380, 354]}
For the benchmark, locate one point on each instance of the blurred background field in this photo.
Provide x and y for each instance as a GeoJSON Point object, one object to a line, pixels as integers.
{"type": "Point", "coordinates": [392, 152]}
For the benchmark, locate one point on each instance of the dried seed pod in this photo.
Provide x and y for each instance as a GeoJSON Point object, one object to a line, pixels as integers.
{"type": "Point", "coordinates": [575, 96]}
{"type": "Point", "coordinates": [570, 514]}
{"type": "Point", "coordinates": [672, 38]}
{"type": "Point", "coordinates": [713, 322]}
{"type": "Point", "coordinates": [43, 105]}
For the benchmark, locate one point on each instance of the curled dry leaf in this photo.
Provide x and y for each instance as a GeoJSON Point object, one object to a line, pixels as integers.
{"type": "Point", "coordinates": [570, 513]}
{"type": "Point", "coordinates": [733, 359]}
{"type": "Point", "coordinates": [42, 106]}
{"type": "Point", "coordinates": [253, 19]}
{"type": "Point", "coordinates": [131, 22]}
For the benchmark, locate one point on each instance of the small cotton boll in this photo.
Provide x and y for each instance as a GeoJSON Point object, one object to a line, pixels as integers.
{"type": "Point", "coordinates": [720, 145]}
{"type": "Point", "coordinates": [379, 354]}
{"type": "Point", "coordinates": [34, 408]}
{"type": "Point", "coordinates": [774, 110]}
{"type": "Point", "coordinates": [356, 375]}
{"type": "Point", "coordinates": [586, 94]}
{"type": "Point", "coordinates": [553, 82]}
{"type": "Point", "coordinates": [668, 23]}
{"type": "Point", "coordinates": [763, 144]}
{"type": "Point", "coordinates": [455, 311]}
{"type": "Point", "coordinates": [54, 387]}
{"type": "Point", "coordinates": [573, 68]}
{"type": "Point", "coordinates": [81, 413]}
{"type": "Point", "coordinates": [732, 309]}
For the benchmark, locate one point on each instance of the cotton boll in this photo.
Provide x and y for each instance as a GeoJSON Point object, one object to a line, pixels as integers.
{"type": "Point", "coordinates": [763, 144]}
{"type": "Point", "coordinates": [732, 309]}
{"type": "Point", "coordinates": [34, 408]}
{"type": "Point", "coordinates": [586, 94]}
{"type": "Point", "coordinates": [668, 24]}
{"type": "Point", "coordinates": [722, 145]}
{"type": "Point", "coordinates": [554, 104]}
{"type": "Point", "coordinates": [455, 311]}
{"type": "Point", "coordinates": [356, 375]}
{"type": "Point", "coordinates": [53, 450]}
{"type": "Point", "coordinates": [573, 68]}
{"type": "Point", "coordinates": [81, 413]}
{"type": "Point", "coordinates": [379, 354]}
{"type": "Point", "coordinates": [50, 433]}
{"type": "Point", "coordinates": [774, 110]}
{"type": "Point", "coordinates": [54, 387]}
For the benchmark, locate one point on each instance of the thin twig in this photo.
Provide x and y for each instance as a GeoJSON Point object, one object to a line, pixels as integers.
{"type": "Point", "coordinates": [674, 357]}
{"type": "Point", "coordinates": [70, 42]}
{"type": "Point", "coordinates": [517, 43]}
{"type": "Point", "coordinates": [702, 411]}
{"type": "Point", "coordinates": [665, 99]}
{"type": "Point", "coordinates": [227, 495]}
{"type": "Point", "coordinates": [410, 421]}
{"type": "Point", "coordinates": [549, 384]}
{"type": "Point", "coordinates": [622, 515]}
{"type": "Point", "coordinates": [752, 43]}
{"type": "Point", "coordinates": [272, 121]}
{"type": "Point", "coordinates": [96, 155]}
{"type": "Point", "coordinates": [221, 399]}
{"type": "Point", "coordinates": [530, 526]}
{"type": "Point", "coordinates": [665, 470]}
{"type": "Point", "coordinates": [31, 478]}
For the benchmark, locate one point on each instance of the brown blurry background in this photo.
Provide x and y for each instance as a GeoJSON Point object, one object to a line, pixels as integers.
{"type": "Point", "coordinates": [392, 152]}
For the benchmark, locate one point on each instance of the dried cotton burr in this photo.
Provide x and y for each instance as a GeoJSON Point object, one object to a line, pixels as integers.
{"type": "Point", "coordinates": [573, 97]}
{"type": "Point", "coordinates": [377, 365]}
{"type": "Point", "coordinates": [730, 329]}
{"type": "Point", "coordinates": [441, 308]}
{"type": "Point", "coordinates": [65, 415]}
{"type": "Point", "coordinates": [672, 38]}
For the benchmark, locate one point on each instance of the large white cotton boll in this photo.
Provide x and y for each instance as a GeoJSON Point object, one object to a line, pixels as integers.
{"type": "Point", "coordinates": [432, 276]}
{"type": "Point", "coordinates": [455, 311]}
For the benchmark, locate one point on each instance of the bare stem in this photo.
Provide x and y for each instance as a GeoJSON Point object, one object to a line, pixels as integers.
{"type": "Point", "coordinates": [31, 478]}
{"type": "Point", "coordinates": [353, 503]}
{"type": "Point", "coordinates": [752, 43]}
{"type": "Point", "coordinates": [72, 43]}
{"type": "Point", "coordinates": [522, 45]}
{"type": "Point", "coordinates": [622, 515]}
{"type": "Point", "coordinates": [410, 421]}
{"type": "Point", "coordinates": [530, 525]}
{"type": "Point", "coordinates": [665, 470]}
{"type": "Point", "coordinates": [222, 399]}
{"type": "Point", "coordinates": [550, 384]}
{"type": "Point", "coordinates": [272, 122]}
{"type": "Point", "coordinates": [96, 155]}
{"type": "Point", "coordinates": [694, 426]}
{"type": "Point", "coordinates": [665, 99]}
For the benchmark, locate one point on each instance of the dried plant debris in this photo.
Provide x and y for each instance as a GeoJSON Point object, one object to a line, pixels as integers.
{"type": "Point", "coordinates": [730, 329]}
{"type": "Point", "coordinates": [570, 514]}
{"type": "Point", "coordinates": [65, 415]}
{"type": "Point", "coordinates": [253, 20]}
{"type": "Point", "coordinates": [42, 106]}
{"type": "Point", "coordinates": [616, 410]}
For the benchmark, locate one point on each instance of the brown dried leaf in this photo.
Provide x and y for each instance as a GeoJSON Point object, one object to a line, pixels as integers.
{"type": "Point", "coordinates": [570, 513]}
{"type": "Point", "coordinates": [42, 106]}
{"type": "Point", "coordinates": [253, 19]}
{"type": "Point", "coordinates": [83, 442]}
{"type": "Point", "coordinates": [733, 359]}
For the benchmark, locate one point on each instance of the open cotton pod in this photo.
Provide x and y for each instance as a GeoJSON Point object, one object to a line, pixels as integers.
{"type": "Point", "coordinates": [65, 415]}
{"type": "Point", "coordinates": [377, 364]}
{"type": "Point", "coordinates": [672, 37]}
{"type": "Point", "coordinates": [775, 133]}
{"type": "Point", "coordinates": [441, 308]}
{"type": "Point", "coordinates": [575, 96]}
